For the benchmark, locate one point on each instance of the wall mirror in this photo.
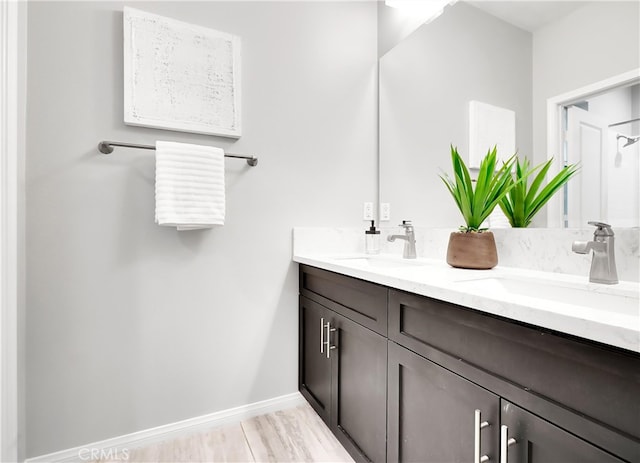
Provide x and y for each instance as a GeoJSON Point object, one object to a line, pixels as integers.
{"type": "Point", "coordinates": [515, 56]}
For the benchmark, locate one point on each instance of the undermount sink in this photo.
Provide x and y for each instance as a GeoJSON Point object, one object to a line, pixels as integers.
{"type": "Point", "coordinates": [606, 298]}
{"type": "Point", "coordinates": [380, 262]}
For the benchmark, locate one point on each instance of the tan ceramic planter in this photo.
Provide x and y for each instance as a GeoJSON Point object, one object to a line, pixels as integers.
{"type": "Point", "coordinates": [472, 250]}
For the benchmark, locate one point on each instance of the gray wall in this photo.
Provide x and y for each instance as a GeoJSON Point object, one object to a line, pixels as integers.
{"type": "Point", "coordinates": [130, 325]}
{"type": "Point", "coordinates": [394, 25]}
{"type": "Point", "coordinates": [426, 83]}
{"type": "Point", "coordinates": [595, 42]}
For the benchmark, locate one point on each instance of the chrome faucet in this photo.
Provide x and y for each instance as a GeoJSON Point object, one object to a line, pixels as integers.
{"type": "Point", "coordinates": [603, 263]}
{"type": "Point", "coordinates": [409, 238]}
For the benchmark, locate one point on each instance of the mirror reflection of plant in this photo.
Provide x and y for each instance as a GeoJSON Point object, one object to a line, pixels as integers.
{"type": "Point", "coordinates": [491, 187]}
{"type": "Point", "coordinates": [522, 202]}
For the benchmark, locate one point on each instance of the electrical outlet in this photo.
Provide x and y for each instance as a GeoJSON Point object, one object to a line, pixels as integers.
{"type": "Point", "coordinates": [368, 211]}
{"type": "Point", "coordinates": [385, 212]}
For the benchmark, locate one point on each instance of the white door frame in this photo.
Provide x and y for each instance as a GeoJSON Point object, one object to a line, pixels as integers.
{"type": "Point", "coordinates": [554, 129]}
{"type": "Point", "coordinates": [8, 230]}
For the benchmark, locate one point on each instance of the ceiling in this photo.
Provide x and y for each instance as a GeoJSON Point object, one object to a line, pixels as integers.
{"type": "Point", "coordinates": [528, 15]}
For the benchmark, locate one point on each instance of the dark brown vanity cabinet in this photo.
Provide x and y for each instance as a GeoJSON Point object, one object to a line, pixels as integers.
{"type": "Point", "coordinates": [561, 399]}
{"type": "Point", "coordinates": [342, 371]}
{"type": "Point", "coordinates": [528, 438]}
{"type": "Point", "coordinates": [437, 416]}
{"type": "Point", "coordinates": [414, 379]}
{"type": "Point", "coordinates": [432, 413]}
{"type": "Point", "coordinates": [314, 367]}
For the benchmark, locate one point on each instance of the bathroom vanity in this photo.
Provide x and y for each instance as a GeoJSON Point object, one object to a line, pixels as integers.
{"type": "Point", "coordinates": [407, 371]}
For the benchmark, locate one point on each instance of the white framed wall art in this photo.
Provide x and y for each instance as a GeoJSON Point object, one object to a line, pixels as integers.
{"type": "Point", "coordinates": [180, 76]}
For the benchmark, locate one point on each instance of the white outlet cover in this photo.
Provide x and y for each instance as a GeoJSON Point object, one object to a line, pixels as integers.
{"type": "Point", "coordinates": [385, 212]}
{"type": "Point", "coordinates": [368, 211]}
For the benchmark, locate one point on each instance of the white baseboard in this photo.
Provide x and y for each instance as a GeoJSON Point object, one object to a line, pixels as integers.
{"type": "Point", "coordinates": [171, 430]}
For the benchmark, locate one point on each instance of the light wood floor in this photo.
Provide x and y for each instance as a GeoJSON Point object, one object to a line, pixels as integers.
{"type": "Point", "coordinates": [294, 435]}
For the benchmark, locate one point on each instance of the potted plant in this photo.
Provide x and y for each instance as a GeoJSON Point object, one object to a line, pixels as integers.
{"type": "Point", "coordinates": [474, 247]}
{"type": "Point", "coordinates": [522, 202]}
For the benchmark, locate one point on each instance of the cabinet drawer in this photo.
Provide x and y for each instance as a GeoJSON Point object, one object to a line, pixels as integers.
{"type": "Point", "coordinates": [601, 383]}
{"type": "Point", "coordinates": [361, 301]}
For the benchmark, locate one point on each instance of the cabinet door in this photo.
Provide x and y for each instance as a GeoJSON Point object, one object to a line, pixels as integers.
{"type": "Point", "coordinates": [359, 370]}
{"type": "Point", "coordinates": [431, 413]}
{"type": "Point", "coordinates": [538, 441]}
{"type": "Point", "coordinates": [314, 367]}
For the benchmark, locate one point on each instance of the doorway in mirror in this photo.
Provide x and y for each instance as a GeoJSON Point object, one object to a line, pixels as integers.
{"type": "Point", "coordinates": [599, 132]}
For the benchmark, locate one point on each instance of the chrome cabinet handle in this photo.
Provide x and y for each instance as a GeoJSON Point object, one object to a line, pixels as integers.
{"type": "Point", "coordinates": [505, 442]}
{"type": "Point", "coordinates": [478, 425]}
{"type": "Point", "coordinates": [328, 341]}
{"type": "Point", "coordinates": [322, 335]}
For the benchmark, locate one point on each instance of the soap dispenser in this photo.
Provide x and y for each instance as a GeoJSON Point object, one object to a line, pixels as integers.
{"type": "Point", "coordinates": [372, 240]}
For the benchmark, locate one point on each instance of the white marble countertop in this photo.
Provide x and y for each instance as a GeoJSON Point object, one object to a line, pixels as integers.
{"type": "Point", "coordinates": [609, 314]}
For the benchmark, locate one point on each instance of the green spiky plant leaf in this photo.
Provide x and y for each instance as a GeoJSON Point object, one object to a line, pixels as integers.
{"type": "Point", "coordinates": [523, 202]}
{"type": "Point", "coordinates": [491, 187]}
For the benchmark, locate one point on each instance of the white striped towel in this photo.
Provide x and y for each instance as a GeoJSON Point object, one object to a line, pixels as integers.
{"type": "Point", "coordinates": [189, 185]}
